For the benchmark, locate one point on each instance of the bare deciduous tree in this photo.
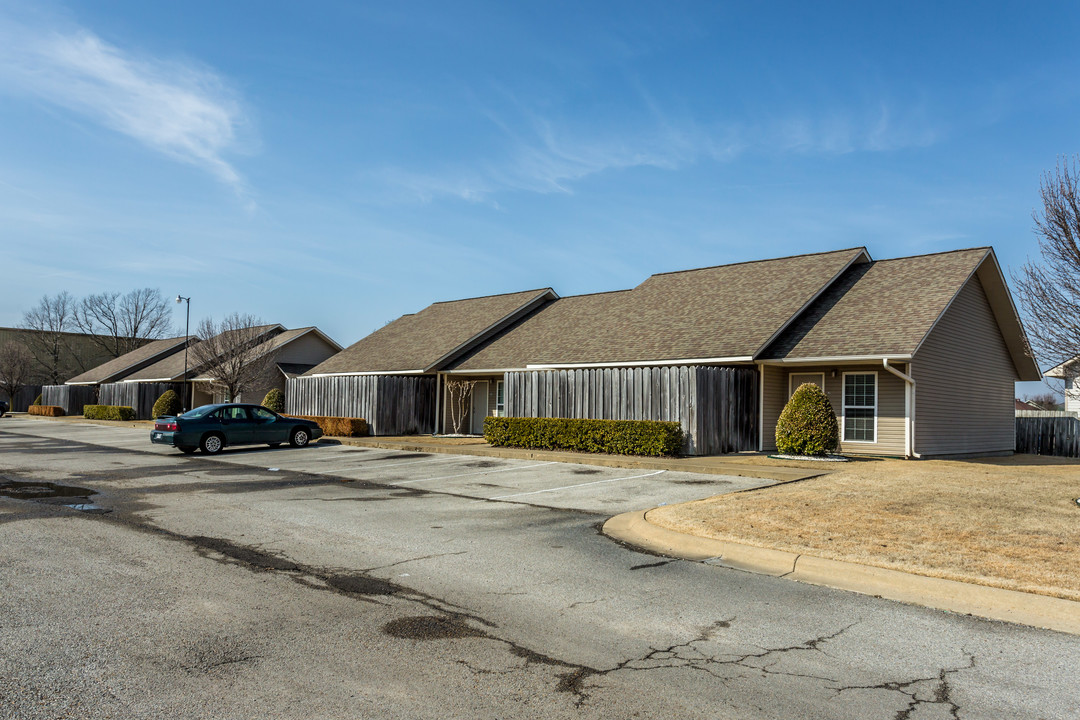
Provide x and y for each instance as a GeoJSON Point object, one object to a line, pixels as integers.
{"type": "Point", "coordinates": [458, 394]}
{"type": "Point", "coordinates": [50, 321]}
{"type": "Point", "coordinates": [230, 356]}
{"type": "Point", "coordinates": [16, 368]}
{"type": "Point", "coordinates": [1045, 401]}
{"type": "Point", "coordinates": [1050, 291]}
{"type": "Point", "coordinates": [118, 322]}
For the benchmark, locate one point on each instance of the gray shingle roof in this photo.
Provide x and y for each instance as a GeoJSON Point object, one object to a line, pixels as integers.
{"type": "Point", "coordinates": [172, 367]}
{"type": "Point", "coordinates": [118, 368]}
{"type": "Point", "coordinates": [420, 341]}
{"type": "Point", "coordinates": [716, 312]}
{"type": "Point", "coordinates": [885, 307]}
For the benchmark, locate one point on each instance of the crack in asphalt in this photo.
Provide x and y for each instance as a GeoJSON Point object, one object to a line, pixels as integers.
{"type": "Point", "coordinates": [942, 690]}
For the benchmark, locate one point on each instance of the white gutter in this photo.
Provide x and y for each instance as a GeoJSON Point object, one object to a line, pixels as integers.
{"type": "Point", "coordinates": [373, 372]}
{"type": "Point", "coordinates": [837, 359]}
{"type": "Point", "coordinates": [909, 407]}
{"type": "Point", "coordinates": [642, 363]}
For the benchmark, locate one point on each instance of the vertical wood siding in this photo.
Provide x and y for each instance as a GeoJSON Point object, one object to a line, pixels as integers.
{"type": "Point", "coordinates": [717, 407]}
{"type": "Point", "coordinates": [70, 397]}
{"type": "Point", "coordinates": [138, 396]}
{"type": "Point", "coordinates": [392, 404]}
{"type": "Point", "coordinates": [965, 378]}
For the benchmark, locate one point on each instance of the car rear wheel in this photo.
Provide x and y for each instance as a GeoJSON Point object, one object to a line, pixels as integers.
{"type": "Point", "coordinates": [212, 444]}
{"type": "Point", "coordinates": [186, 449]}
{"type": "Point", "coordinates": [300, 437]}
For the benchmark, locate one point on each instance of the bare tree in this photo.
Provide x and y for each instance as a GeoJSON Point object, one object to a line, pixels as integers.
{"type": "Point", "coordinates": [1050, 291]}
{"type": "Point", "coordinates": [49, 322]}
{"type": "Point", "coordinates": [117, 323]}
{"type": "Point", "coordinates": [230, 356]}
{"type": "Point", "coordinates": [1045, 401]}
{"type": "Point", "coordinates": [458, 394]}
{"type": "Point", "coordinates": [16, 368]}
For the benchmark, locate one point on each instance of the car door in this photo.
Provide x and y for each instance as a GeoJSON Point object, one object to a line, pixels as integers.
{"type": "Point", "coordinates": [267, 426]}
{"type": "Point", "coordinates": [237, 425]}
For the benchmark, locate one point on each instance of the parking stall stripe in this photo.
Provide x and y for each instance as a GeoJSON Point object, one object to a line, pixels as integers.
{"type": "Point", "coordinates": [571, 487]}
{"type": "Point", "coordinates": [479, 472]}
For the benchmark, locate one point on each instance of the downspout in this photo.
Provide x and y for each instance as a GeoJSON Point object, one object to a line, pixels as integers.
{"type": "Point", "coordinates": [909, 407]}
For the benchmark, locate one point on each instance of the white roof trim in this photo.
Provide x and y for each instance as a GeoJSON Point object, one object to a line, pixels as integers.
{"type": "Point", "coordinates": [371, 372]}
{"type": "Point", "coordinates": [642, 363]}
{"type": "Point", "coordinates": [485, 371]}
{"type": "Point", "coordinates": [835, 359]}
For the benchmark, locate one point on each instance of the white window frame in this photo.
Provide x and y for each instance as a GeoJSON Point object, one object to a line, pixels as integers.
{"type": "Point", "coordinates": [844, 406]}
{"type": "Point", "coordinates": [500, 408]}
{"type": "Point", "coordinates": [791, 376]}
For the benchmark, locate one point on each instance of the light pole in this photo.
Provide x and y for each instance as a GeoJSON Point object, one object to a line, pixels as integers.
{"type": "Point", "coordinates": [187, 337]}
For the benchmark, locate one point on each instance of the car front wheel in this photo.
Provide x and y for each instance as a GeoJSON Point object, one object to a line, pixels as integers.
{"type": "Point", "coordinates": [300, 437]}
{"type": "Point", "coordinates": [212, 444]}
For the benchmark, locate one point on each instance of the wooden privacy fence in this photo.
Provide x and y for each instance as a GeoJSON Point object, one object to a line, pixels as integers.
{"type": "Point", "coordinates": [70, 397]}
{"type": "Point", "coordinates": [392, 404]}
{"type": "Point", "coordinates": [1048, 434]}
{"type": "Point", "coordinates": [716, 406]}
{"type": "Point", "coordinates": [139, 396]}
{"type": "Point", "coordinates": [23, 398]}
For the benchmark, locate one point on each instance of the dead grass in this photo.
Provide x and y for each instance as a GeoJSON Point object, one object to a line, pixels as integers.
{"type": "Point", "coordinates": [1005, 522]}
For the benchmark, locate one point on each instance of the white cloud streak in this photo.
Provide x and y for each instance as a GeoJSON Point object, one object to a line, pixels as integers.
{"type": "Point", "coordinates": [179, 109]}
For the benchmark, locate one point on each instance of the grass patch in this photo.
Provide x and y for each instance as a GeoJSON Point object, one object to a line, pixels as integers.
{"type": "Point", "coordinates": [1008, 522]}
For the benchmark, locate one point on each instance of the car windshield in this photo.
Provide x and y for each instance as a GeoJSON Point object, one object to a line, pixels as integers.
{"type": "Point", "coordinates": [199, 412]}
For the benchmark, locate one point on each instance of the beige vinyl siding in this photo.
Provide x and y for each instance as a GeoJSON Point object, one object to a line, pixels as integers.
{"type": "Point", "coordinates": [890, 405]}
{"type": "Point", "coordinates": [965, 379]}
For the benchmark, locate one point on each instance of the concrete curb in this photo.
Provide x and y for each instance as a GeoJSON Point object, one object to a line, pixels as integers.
{"type": "Point", "coordinates": [1012, 606]}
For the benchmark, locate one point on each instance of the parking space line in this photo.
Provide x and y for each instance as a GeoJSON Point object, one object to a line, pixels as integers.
{"type": "Point", "coordinates": [571, 487]}
{"type": "Point", "coordinates": [478, 472]}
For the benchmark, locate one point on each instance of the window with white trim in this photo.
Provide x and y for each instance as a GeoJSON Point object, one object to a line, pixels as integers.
{"type": "Point", "coordinates": [860, 407]}
{"type": "Point", "coordinates": [500, 399]}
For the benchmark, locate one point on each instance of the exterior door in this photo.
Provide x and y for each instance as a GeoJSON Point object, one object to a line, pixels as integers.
{"type": "Point", "coordinates": [797, 379]}
{"type": "Point", "coordinates": [479, 408]}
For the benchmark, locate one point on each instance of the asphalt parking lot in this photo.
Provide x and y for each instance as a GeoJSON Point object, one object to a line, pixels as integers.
{"type": "Point", "coordinates": [568, 486]}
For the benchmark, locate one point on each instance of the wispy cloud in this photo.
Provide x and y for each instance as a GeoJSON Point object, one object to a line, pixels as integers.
{"type": "Point", "coordinates": [177, 108]}
{"type": "Point", "coordinates": [545, 156]}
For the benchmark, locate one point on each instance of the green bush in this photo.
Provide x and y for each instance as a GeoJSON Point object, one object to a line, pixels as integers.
{"type": "Point", "coordinates": [108, 412]}
{"type": "Point", "coordinates": [807, 426]}
{"type": "Point", "coordinates": [37, 400]}
{"type": "Point", "coordinates": [167, 404]}
{"type": "Point", "coordinates": [275, 400]}
{"type": "Point", "coordinates": [339, 426]}
{"type": "Point", "coordinates": [617, 437]}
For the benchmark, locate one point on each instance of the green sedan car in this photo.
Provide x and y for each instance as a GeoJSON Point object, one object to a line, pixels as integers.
{"type": "Point", "coordinates": [213, 427]}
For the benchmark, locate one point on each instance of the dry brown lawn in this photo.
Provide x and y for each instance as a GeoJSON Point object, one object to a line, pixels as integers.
{"type": "Point", "coordinates": [1008, 522]}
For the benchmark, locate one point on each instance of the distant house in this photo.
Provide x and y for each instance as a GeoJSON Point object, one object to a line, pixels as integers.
{"type": "Point", "coordinates": [1025, 406]}
{"type": "Point", "coordinates": [918, 355]}
{"type": "Point", "coordinates": [140, 377]}
{"type": "Point", "coordinates": [1069, 373]}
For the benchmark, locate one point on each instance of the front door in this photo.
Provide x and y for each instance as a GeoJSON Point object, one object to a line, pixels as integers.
{"type": "Point", "coordinates": [479, 409]}
{"type": "Point", "coordinates": [797, 379]}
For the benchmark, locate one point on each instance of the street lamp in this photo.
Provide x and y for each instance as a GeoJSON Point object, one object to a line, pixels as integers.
{"type": "Point", "coordinates": [187, 334]}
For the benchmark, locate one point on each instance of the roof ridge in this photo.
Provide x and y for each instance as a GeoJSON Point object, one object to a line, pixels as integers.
{"type": "Point", "coordinates": [492, 295]}
{"type": "Point", "coordinates": [763, 260]}
{"type": "Point", "coordinates": [602, 292]}
{"type": "Point", "coordinates": [933, 254]}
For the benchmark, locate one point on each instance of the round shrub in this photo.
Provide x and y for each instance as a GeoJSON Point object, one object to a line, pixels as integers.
{"type": "Point", "coordinates": [807, 426]}
{"type": "Point", "coordinates": [275, 400]}
{"type": "Point", "coordinates": [37, 400]}
{"type": "Point", "coordinates": [167, 404]}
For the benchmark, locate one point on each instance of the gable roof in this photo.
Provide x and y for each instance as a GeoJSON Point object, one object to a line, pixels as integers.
{"type": "Point", "coordinates": [726, 312]}
{"type": "Point", "coordinates": [887, 308]}
{"type": "Point", "coordinates": [279, 341]}
{"type": "Point", "coordinates": [118, 368]}
{"type": "Point", "coordinates": [171, 369]}
{"type": "Point", "coordinates": [428, 339]}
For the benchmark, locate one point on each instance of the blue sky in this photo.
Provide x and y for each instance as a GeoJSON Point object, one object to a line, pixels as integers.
{"type": "Point", "coordinates": [341, 164]}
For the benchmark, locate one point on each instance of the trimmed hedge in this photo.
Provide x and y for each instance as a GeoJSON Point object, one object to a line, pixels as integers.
{"type": "Point", "coordinates": [46, 410]}
{"type": "Point", "coordinates": [275, 400]}
{"type": "Point", "coordinates": [616, 437]}
{"type": "Point", "coordinates": [807, 426]}
{"type": "Point", "coordinates": [339, 426]}
{"type": "Point", "coordinates": [167, 404]}
{"type": "Point", "coordinates": [108, 412]}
